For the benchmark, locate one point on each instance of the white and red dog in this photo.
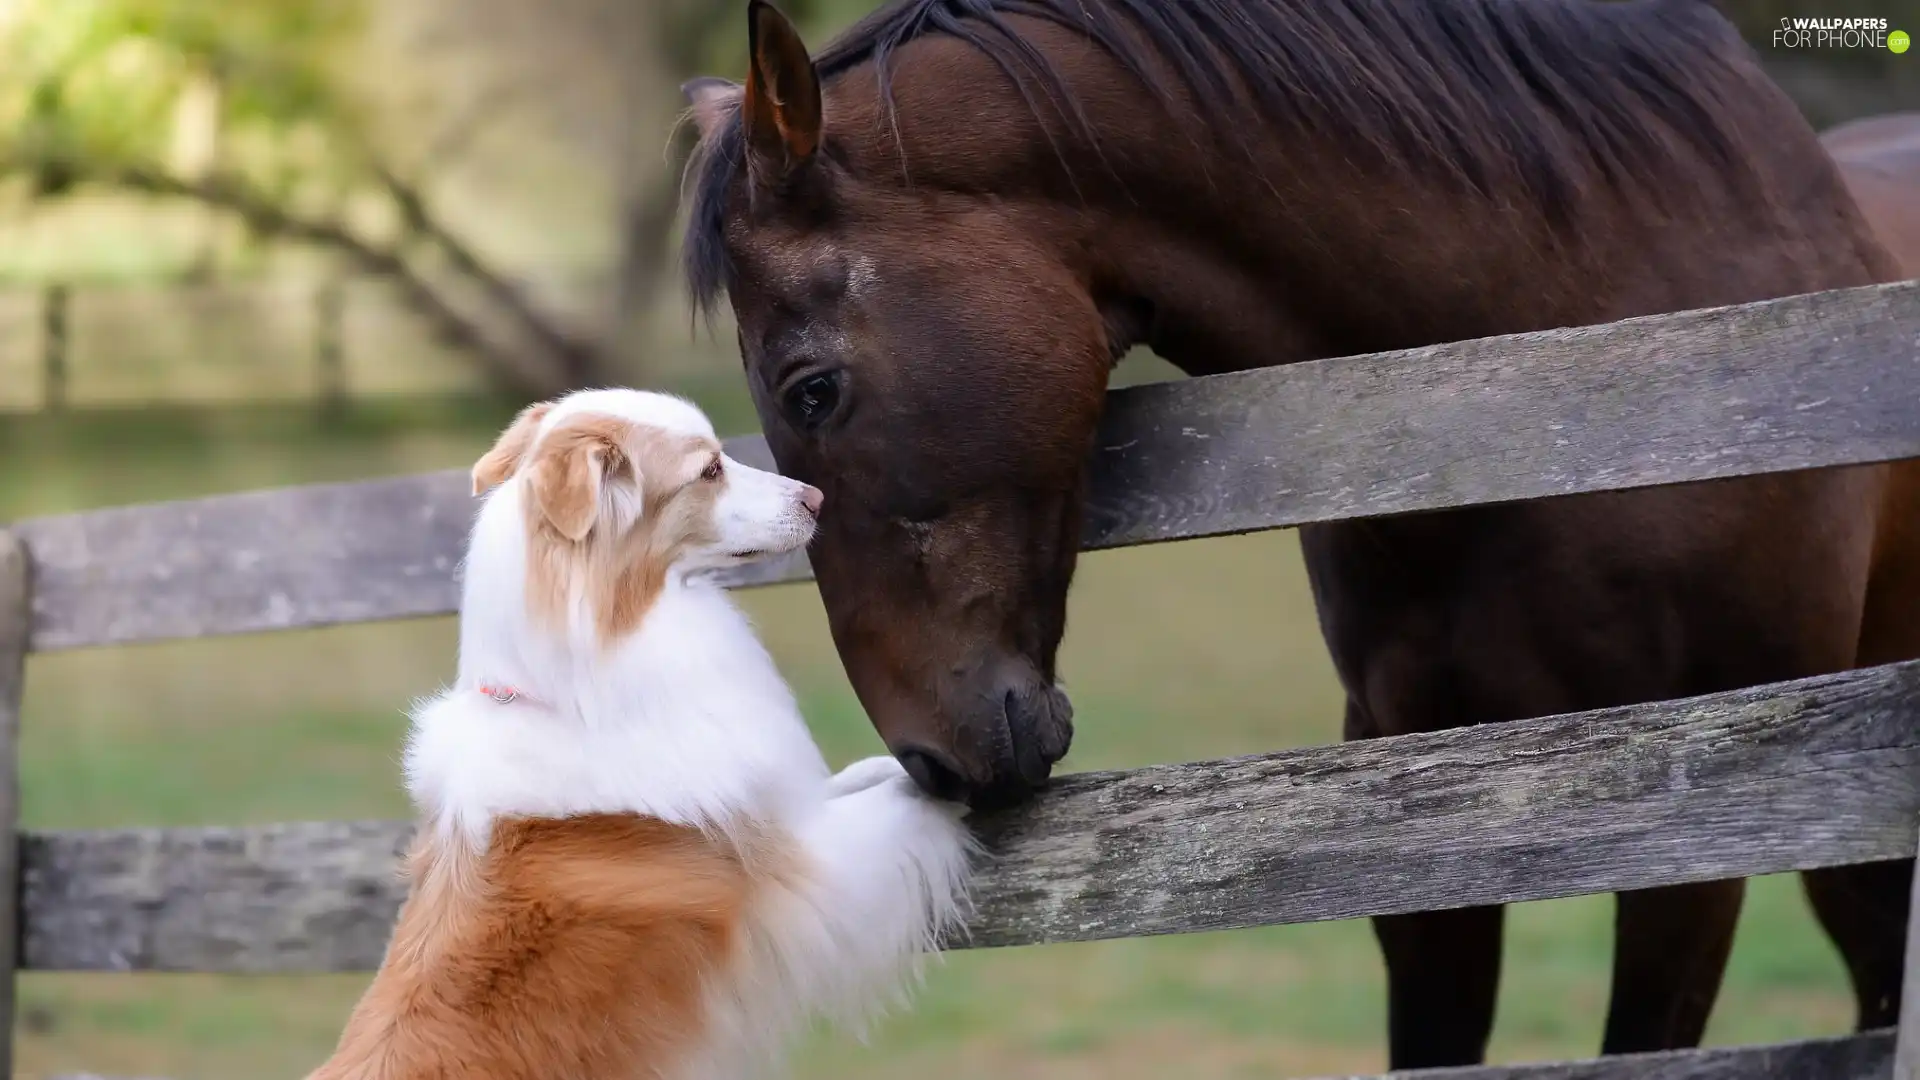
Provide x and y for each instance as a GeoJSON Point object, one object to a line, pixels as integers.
{"type": "Point", "coordinates": [632, 860]}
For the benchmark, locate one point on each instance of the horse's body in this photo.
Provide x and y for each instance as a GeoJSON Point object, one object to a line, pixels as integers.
{"type": "Point", "coordinates": [1880, 159]}
{"type": "Point", "coordinates": [933, 271]}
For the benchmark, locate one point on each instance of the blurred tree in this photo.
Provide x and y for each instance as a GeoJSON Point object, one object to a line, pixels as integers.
{"type": "Point", "coordinates": [287, 116]}
{"type": "Point", "coordinates": [624, 62]}
{"type": "Point", "coordinates": [92, 95]}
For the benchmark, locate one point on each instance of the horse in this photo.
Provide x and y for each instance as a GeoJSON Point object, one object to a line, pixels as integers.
{"type": "Point", "coordinates": [939, 236]}
{"type": "Point", "coordinates": [1879, 157]}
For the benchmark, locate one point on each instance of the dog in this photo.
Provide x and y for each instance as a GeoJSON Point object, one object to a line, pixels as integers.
{"type": "Point", "coordinates": [632, 860]}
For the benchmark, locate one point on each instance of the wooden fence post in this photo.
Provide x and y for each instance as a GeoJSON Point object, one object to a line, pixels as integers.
{"type": "Point", "coordinates": [53, 346]}
{"type": "Point", "coordinates": [1906, 1053]}
{"type": "Point", "coordinates": [16, 610]}
{"type": "Point", "coordinates": [329, 312]}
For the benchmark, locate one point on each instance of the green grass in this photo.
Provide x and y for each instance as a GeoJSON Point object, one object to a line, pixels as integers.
{"type": "Point", "coordinates": [1175, 652]}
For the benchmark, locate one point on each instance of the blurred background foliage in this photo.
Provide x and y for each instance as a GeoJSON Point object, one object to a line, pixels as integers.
{"type": "Point", "coordinates": [464, 148]}
{"type": "Point", "coordinates": [435, 210]}
{"type": "Point", "coordinates": [422, 140]}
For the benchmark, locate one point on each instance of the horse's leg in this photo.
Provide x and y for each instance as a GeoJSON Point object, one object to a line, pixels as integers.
{"type": "Point", "coordinates": [1443, 973]}
{"type": "Point", "coordinates": [1864, 910]}
{"type": "Point", "coordinates": [1670, 950]}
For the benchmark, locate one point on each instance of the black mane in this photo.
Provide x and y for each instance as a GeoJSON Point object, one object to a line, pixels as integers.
{"type": "Point", "coordinates": [1509, 98]}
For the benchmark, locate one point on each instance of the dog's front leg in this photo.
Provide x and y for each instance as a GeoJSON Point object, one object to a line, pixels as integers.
{"type": "Point", "coordinates": [887, 876]}
{"type": "Point", "coordinates": [864, 774]}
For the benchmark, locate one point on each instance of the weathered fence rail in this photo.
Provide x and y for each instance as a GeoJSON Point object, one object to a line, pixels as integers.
{"type": "Point", "coordinates": [1813, 773]}
{"type": "Point", "coordinates": [102, 345]}
{"type": "Point", "coordinates": [1824, 379]}
{"type": "Point", "coordinates": [1799, 775]}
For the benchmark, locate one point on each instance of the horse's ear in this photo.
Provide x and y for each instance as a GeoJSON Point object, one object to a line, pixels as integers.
{"type": "Point", "coordinates": [712, 101]}
{"type": "Point", "coordinates": [781, 102]}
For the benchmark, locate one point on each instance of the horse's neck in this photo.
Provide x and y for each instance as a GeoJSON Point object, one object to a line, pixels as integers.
{"type": "Point", "coordinates": [1230, 246]}
{"type": "Point", "coordinates": [1253, 252]}
{"type": "Point", "coordinates": [1334, 261]}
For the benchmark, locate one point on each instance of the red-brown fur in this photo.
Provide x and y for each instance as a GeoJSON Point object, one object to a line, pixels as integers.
{"type": "Point", "coordinates": [500, 461]}
{"type": "Point", "coordinates": [575, 948]}
{"type": "Point", "coordinates": [1880, 158]}
{"type": "Point", "coordinates": [1859, 906]}
{"type": "Point", "coordinates": [565, 472]}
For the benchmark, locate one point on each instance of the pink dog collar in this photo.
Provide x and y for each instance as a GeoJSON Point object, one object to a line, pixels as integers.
{"type": "Point", "coordinates": [502, 695]}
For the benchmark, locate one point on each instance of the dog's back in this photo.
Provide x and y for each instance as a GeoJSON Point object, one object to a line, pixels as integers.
{"type": "Point", "coordinates": [577, 947]}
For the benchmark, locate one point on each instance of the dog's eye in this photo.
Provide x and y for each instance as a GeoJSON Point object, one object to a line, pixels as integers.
{"type": "Point", "coordinates": [809, 402]}
{"type": "Point", "coordinates": [712, 471]}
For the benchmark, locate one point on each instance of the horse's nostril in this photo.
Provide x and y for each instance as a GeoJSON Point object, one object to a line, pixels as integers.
{"type": "Point", "coordinates": [812, 498]}
{"type": "Point", "coordinates": [1035, 739]}
{"type": "Point", "coordinates": [935, 776]}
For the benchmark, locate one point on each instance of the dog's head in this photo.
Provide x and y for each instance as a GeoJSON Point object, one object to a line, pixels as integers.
{"type": "Point", "coordinates": [620, 489]}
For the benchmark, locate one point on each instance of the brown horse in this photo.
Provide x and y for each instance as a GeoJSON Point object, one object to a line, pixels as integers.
{"type": "Point", "coordinates": [1880, 159]}
{"type": "Point", "coordinates": [938, 237]}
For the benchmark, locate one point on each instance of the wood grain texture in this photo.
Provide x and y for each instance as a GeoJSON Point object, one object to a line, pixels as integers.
{"type": "Point", "coordinates": [1809, 381]}
{"type": "Point", "coordinates": [1754, 388]}
{"type": "Point", "coordinates": [1906, 1061]}
{"type": "Point", "coordinates": [16, 588]}
{"type": "Point", "coordinates": [303, 897]}
{"type": "Point", "coordinates": [314, 555]}
{"type": "Point", "coordinates": [1859, 1057]}
{"type": "Point", "coordinates": [1813, 773]}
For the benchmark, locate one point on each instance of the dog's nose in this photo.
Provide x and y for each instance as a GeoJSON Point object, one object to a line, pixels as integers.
{"type": "Point", "coordinates": [811, 497]}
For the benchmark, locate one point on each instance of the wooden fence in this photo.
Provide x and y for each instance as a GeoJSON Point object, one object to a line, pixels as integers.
{"type": "Point", "coordinates": [105, 345]}
{"type": "Point", "coordinates": [101, 344]}
{"type": "Point", "coordinates": [1817, 772]}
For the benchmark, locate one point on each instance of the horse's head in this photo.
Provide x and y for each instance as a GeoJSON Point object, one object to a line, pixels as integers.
{"type": "Point", "coordinates": [938, 236]}
{"type": "Point", "coordinates": [921, 357]}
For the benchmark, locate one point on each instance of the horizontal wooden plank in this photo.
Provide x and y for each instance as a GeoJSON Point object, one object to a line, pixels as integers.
{"type": "Point", "coordinates": [1817, 772]}
{"type": "Point", "coordinates": [1858, 1057]}
{"type": "Point", "coordinates": [1819, 380]}
{"type": "Point", "coordinates": [279, 559]}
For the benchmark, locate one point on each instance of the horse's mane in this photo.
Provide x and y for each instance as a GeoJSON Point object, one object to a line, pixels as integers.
{"type": "Point", "coordinates": [1513, 99]}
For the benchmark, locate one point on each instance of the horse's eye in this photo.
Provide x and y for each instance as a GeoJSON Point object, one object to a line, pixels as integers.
{"type": "Point", "coordinates": [811, 401]}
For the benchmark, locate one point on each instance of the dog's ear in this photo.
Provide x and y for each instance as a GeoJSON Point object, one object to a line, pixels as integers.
{"type": "Point", "coordinates": [500, 462]}
{"type": "Point", "coordinates": [567, 480]}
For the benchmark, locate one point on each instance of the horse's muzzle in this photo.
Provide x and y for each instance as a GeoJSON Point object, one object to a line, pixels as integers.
{"type": "Point", "coordinates": [1033, 732]}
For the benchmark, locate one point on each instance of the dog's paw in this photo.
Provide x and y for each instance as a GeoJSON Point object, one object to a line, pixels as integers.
{"type": "Point", "coordinates": [866, 773]}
